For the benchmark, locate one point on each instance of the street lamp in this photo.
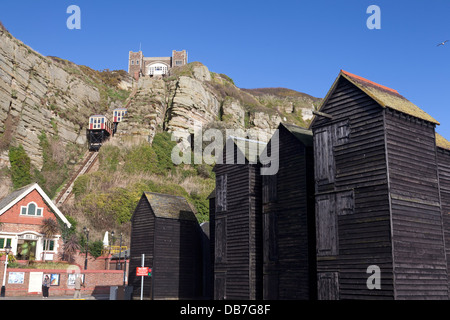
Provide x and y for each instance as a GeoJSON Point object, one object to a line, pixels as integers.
{"type": "Point", "coordinates": [86, 232]}
{"type": "Point", "coordinates": [120, 251]}
{"type": "Point", "coordinates": [7, 251]}
{"type": "Point", "coordinates": [112, 241]}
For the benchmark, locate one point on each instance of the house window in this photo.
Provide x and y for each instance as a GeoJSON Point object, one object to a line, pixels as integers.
{"type": "Point", "coordinates": [31, 210]}
{"type": "Point", "coordinates": [49, 245]}
{"type": "Point", "coordinates": [5, 242]}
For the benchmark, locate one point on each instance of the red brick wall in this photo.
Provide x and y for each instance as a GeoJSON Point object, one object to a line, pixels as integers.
{"type": "Point", "coordinates": [133, 68]}
{"type": "Point", "coordinates": [12, 216]}
{"type": "Point", "coordinates": [12, 221]}
{"type": "Point", "coordinates": [179, 55]}
{"type": "Point", "coordinates": [97, 281]}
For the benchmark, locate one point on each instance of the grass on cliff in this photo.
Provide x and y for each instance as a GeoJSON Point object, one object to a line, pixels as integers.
{"type": "Point", "coordinates": [107, 198]}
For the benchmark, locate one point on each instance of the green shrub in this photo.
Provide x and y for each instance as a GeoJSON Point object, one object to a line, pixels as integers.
{"type": "Point", "coordinates": [141, 158]}
{"type": "Point", "coordinates": [95, 248]}
{"type": "Point", "coordinates": [201, 205]}
{"type": "Point", "coordinates": [20, 166]}
{"type": "Point", "coordinates": [109, 157]}
{"type": "Point", "coordinates": [163, 145]}
{"type": "Point", "coordinates": [80, 185]}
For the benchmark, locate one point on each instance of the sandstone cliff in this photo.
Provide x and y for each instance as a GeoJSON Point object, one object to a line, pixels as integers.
{"type": "Point", "coordinates": [193, 95]}
{"type": "Point", "coordinates": [45, 103]}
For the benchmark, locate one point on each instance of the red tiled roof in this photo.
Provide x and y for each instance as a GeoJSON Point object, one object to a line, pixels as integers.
{"type": "Point", "coordinates": [354, 76]}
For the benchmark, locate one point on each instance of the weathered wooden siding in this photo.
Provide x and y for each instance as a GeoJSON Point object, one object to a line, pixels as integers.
{"type": "Point", "coordinates": [238, 248]}
{"type": "Point", "coordinates": [352, 204]}
{"type": "Point", "coordinates": [288, 209]}
{"type": "Point", "coordinates": [212, 241]}
{"type": "Point", "coordinates": [443, 160]}
{"type": "Point", "coordinates": [420, 265]}
{"type": "Point", "coordinates": [177, 266]}
{"type": "Point", "coordinates": [141, 242]}
{"type": "Point", "coordinates": [172, 248]}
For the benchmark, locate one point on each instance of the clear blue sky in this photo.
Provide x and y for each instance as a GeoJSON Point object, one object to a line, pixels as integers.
{"type": "Point", "coordinates": [296, 44]}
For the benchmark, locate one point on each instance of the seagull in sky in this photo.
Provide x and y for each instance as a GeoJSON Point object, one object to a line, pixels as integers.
{"type": "Point", "coordinates": [442, 43]}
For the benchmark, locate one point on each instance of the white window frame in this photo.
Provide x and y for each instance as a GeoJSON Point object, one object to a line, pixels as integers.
{"type": "Point", "coordinates": [36, 212]}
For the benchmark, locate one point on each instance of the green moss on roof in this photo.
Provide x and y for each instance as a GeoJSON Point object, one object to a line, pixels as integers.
{"type": "Point", "coordinates": [441, 142]}
{"type": "Point", "coordinates": [387, 98]}
{"type": "Point", "coordinates": [170, 207]}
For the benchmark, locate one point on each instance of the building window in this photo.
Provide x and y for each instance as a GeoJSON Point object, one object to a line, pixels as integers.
{"type": "Point", "coordinates": [178, 63]}
{"type": "Point", "coordinates": [137, 62]}
{"type": "Point", "coordinates": [5, 242]}
{"type": "Point", "coordinates": [132, 62]}
{"type": "Point", "coordinates": [31, 210]}
{"type": "Point", "coordinates": [49, 245]}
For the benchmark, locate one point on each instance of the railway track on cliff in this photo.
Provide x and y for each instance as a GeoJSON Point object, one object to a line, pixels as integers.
{"type": "Point", "coordinates": [88, 161]}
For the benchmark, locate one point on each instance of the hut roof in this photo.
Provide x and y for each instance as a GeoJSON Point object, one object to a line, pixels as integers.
{"type": "Point", "coordinates": [384, 96]}
{"type": "Point", "coordinates": [303, 135]}
{"type": "Point", "coordinates": [170, 207]}
{"type": "Point", "coordinates": [441, 142]}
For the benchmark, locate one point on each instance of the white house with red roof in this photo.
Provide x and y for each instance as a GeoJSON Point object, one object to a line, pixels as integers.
{"type": "Point", "coordinates": [22, 215]}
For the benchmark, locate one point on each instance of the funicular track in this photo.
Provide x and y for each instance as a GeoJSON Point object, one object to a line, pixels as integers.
{"type": "Point", "coordinates": [89, 159]}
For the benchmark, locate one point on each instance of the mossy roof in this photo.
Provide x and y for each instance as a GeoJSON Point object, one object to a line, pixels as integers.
{"type": "Point", "coordinates": [169, 206]}
{"type": "Point", "coordinates": [441, 142]}
{"type": "Point", "coordinates": [384, 96]}
{"type": "Point", "coordinates": [387, 97]}
{"type": "Point", "coordinates": [303, 135]}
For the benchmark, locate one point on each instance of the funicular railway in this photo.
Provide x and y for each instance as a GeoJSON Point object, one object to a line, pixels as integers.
{"type": "Point", "coordinates": [99, 130]}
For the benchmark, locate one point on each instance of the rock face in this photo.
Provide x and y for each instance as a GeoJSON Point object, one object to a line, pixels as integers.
{"type": "Point", "coordinates": [180, 103]}
{"type": "Point", "coordinates": [47, 95]}
{"type": "Point", "coordinates": [37, 95]}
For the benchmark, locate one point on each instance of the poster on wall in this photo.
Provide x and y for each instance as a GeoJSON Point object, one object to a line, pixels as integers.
{"type": "Point", "coordinates": [54, 278]}
{"type": "Point", "coordinates": [35, 282]}
{"type": "Point", "coordinates": [16, 277]}
{"type": "Point", "coordinates": [72, 277]}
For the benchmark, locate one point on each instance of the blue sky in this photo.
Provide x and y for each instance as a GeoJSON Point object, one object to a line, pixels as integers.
{"type": "Point", "coordinates": [298, 44]}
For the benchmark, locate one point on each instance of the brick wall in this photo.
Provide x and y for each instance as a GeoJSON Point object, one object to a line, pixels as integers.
{"type": "Point", "coordinates": [133, 69]}
{"type": "Point", "coordinates": [13, 222]}
{"type": "Point", "coordinates": [97, 281]}
{"type": "Point", "coordinates": [179, 56]}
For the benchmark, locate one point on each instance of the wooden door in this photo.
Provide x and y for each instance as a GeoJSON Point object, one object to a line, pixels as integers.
{"type": "Point", "coordinates": [328, 286]}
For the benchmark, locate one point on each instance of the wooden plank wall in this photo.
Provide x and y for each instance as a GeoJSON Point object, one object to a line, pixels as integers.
{"type": "Point", "coordinates": [443, 160]}
{"type": "Point", "coordinates": [177, 266]}
{"type": "Point", "coordinates": [289, 234]}
{"type": "Point", "coordinates": [141, 242]}
{"type": "Point", "coordinates": [238, 248]}
{"type": "Point", "coordinates": [419, 252]}
{"type": "Point", "coordinates": [212, 241]}
{"type": "Point", "coordinates": [172, 249]}
{"type": "Point", "coordinates": [353, 204]}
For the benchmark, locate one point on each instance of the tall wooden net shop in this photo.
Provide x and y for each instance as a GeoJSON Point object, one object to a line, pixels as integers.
{"type": "Point", "coordinates": [368, 184]}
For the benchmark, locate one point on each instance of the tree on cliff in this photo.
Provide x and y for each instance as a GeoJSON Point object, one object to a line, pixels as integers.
{"type": "Point", "coordinates": [20, 166]}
